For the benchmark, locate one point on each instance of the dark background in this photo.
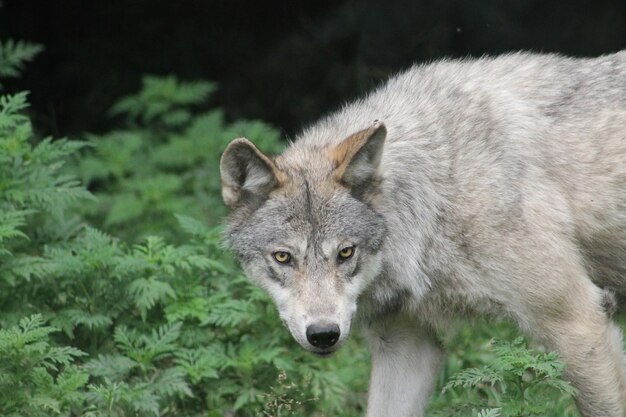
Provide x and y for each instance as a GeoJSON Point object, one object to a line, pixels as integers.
{"type": "Point", "coordinates": [285, 62]}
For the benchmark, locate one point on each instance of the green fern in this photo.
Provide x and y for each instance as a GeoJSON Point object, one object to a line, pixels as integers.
{"type": "Point", "coordinates": [14, 55]}
{"type": "Point", "coordinates": [47, 380]}
{"type": "Point", "coordinates": [165, 99]}
{"type": "Point", "coordinates": [201, 363]}
{"type": "Point", "coordinates": [110, 366]}
{"type": "Point", "coordinates": [145, 349]}
{"type": "Point", "coordinates": [518, 382]}
{"type": "Point", "coordinates": [146, 392]}
{"type": "Point", "coordinates": [10, 224]}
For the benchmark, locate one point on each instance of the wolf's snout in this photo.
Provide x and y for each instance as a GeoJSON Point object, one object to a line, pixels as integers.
{"type": "Point", "coordinates": [322, 335]}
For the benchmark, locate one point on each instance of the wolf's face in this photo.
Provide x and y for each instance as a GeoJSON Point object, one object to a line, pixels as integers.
{"type": "Point", "coordinates": [302, 230]}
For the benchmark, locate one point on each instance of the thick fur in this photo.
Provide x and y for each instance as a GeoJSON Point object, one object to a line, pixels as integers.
{"type": "Point", "coordinates": [493, 186]}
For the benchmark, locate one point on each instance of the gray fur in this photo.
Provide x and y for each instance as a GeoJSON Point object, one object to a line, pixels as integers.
{"type": "Point", "coordinates": [500, 190]}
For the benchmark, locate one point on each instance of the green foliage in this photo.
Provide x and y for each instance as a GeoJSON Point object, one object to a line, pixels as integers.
{"type": "Point", "coordinates": [30, 175]}
{"type": "Point", "coordinates": [33, 194]}
{"type": "Point", "coordinates": [36, 378]}
{"type": "Point", "coordinates": [138, 379]}
{"type": "Point", "coordinates": [164, 161]}
{"type": "Point", "coordinates": [516, 382]}
{"type": "Point", "coordinates": [163, 99]}
{"type": "Point", "coordinates": [13, 56]}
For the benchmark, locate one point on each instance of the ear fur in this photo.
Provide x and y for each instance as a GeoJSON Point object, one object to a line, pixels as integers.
{"type": "Point", "coordinates": [245, 169]}
{"type": "Point", "coordinates": [358, 156]}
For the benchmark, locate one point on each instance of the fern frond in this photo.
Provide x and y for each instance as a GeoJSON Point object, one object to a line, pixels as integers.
{"type": "Point", "coordinates": [171, 382]}
{"type": "Point", "coordinates": [63, 355]}
{"type": "Point", "coordinates": [195, 308]}
{"type": "Point", "coordinates": [162, 340]}
{"type": "Point", "coordinates": [11, 221]}
{"type": "Point", "coordinates": [145, 349]}
{"type": "Point", "coordinates": [13, 56]}
{"type": "Point", "coordinates": [147, 292]}
{"type": "Point", "coordinates": [473, 377]}
{"type": "Point", "coordinates": [20, 267]}
{"type": "Point", "coordinates": [201, 363]}
{"type": "Point", "coordinates": [144, 402]}
{"type": "Point", "coordinates": [10, 106]}
{"type": "Point", "coordinates": [113, 367]}
{"type": "Point", "coordinates": [161, 97]}
{"type": "Point", "coordinates": [92, 321]}
{"type": "Point", "coordinates": [230, 314]}
{"type": "Point", "coordinates": [489, 412]}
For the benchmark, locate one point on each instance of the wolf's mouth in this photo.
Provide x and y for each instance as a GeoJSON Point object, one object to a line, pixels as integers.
{"type": "Point", "coordinates": [324, 354]}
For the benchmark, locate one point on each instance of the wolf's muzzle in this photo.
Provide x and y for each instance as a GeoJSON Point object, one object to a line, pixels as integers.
{"type": "Point", "coordinates": [322, 335]}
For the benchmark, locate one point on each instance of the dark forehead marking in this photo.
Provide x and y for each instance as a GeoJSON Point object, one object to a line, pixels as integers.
{"type": "Point", "coordinates": [311, 216]}
{"type": "Point", "coordinates": [309, 204]}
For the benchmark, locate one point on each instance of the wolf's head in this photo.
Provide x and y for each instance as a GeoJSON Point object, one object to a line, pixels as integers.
{"type": "Point", "coordinates": [303, 230]}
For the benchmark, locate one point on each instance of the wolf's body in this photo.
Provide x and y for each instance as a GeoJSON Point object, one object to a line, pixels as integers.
{"type": "Point", "coordinates": [499, 188]}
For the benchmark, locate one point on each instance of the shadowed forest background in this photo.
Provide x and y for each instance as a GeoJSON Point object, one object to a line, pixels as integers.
{"type": "Point", "coordinates": [116, 296]}
{"type": "Point", "coordinates": [283, 62]}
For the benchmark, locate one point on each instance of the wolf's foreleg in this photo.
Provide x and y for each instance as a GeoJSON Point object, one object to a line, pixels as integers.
{"type": "Point", "coordinates": [405, 362]}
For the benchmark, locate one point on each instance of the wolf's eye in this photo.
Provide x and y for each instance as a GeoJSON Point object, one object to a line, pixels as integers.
{"type": "Point", "coordinates": [346, 253]}
{"type": "Point", "coordinates": [282, 257]}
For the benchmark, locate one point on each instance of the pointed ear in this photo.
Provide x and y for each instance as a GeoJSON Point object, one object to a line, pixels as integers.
{"type": "Point", "coordinates": [358, 156]}
{"type": "Point", "coordinates": [246, 171]}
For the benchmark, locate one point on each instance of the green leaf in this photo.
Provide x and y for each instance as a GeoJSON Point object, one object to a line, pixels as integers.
{"type": "Point", "coordinates": [147, 292]}
{"type": "Point", "coordinates": [13, 56]}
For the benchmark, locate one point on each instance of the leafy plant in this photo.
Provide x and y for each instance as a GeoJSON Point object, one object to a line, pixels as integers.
{"type": "Point", "coordinates": [14, 55]}
{"type": "Point", "coordinates": [516, 382]}
{"type": "Point", "coordinates": [164, 161]}
{"type": "Point", "coordinates": [37, 378]}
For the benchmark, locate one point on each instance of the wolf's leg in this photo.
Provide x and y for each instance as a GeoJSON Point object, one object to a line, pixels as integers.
{"type": "Point", "coordinates": [563, 308]}
{"type": "Point", "coordinates": [405, 362]}
{"type": "Point", "coordinates": [591, 347]}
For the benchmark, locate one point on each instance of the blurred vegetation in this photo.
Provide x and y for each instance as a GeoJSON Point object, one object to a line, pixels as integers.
{"type": "Point", "coordinates": [118, 300]}
{"type": "Point", "coordinates": [286, 63]}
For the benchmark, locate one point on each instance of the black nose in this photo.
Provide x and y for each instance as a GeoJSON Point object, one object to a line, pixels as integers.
{"type": "Point", "coordinates": [322, 335]}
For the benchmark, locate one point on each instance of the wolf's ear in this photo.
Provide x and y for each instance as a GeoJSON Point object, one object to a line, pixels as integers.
{"type": "Point", "coordinates": [246, 170]}
{"type": "Point", "coordinates": [358, 156]}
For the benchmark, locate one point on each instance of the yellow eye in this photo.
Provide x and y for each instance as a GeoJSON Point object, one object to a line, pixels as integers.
{"type": "Point", "coordinates": [346, 253]}
{"type": "Point", "coordinates": [282, 257]}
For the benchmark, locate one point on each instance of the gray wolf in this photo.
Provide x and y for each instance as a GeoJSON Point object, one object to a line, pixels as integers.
{"type": "Point", "coordinates": [494, 186]}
